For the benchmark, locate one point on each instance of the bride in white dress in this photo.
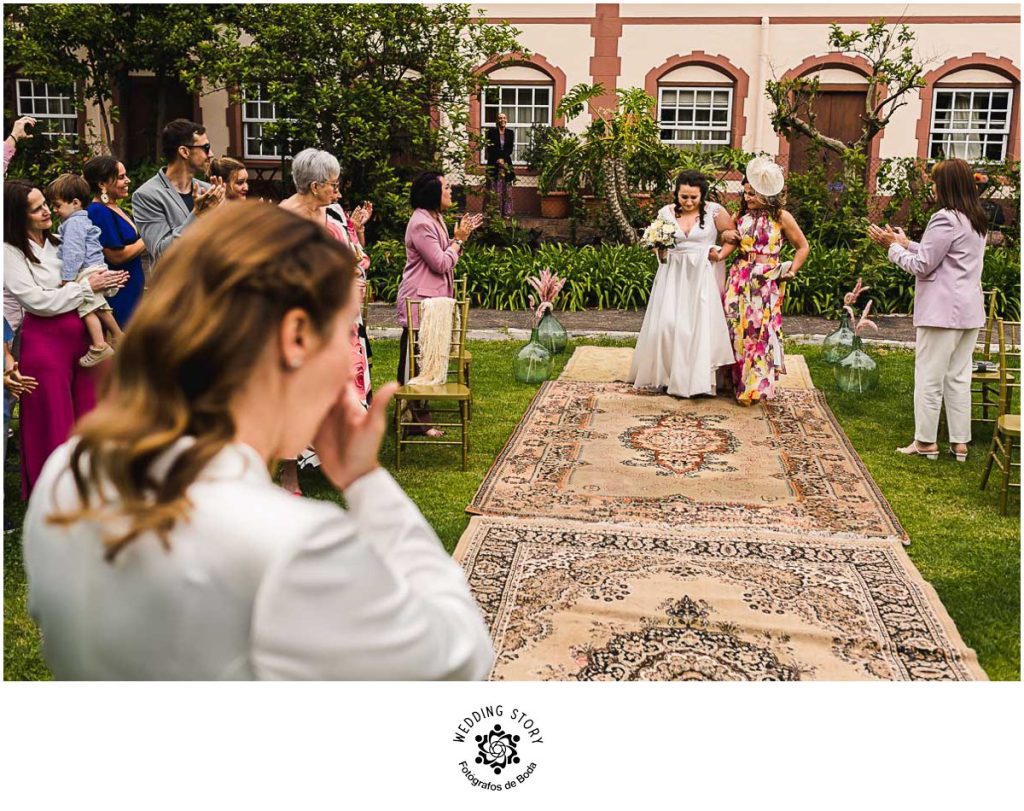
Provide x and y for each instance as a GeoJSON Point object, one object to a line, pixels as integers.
{"type": "Point", "coordinates": [684, 337]}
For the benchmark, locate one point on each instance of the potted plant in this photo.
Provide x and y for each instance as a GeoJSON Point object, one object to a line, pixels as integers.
{"type": "Point", "coordinates": [552, 152]}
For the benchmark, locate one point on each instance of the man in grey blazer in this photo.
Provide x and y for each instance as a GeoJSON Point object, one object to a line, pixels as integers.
{"type": "Point", "coordinates": [167, 203]}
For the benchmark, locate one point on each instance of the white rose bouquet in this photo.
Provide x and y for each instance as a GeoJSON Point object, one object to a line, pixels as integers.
{"type": "Point", "coordinates": [660, 235]}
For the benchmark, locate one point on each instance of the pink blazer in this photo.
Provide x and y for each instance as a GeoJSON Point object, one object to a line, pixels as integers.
{"type": "Point", "coordinates": [947, 263]}
{"type": "Point", "coordinates": [430, 261]}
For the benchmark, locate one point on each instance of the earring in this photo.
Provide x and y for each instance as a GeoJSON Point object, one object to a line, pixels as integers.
{"type": "Point", "coordinates": [294, 363]}
{"type": "Point", "coordinates": [104, 197]}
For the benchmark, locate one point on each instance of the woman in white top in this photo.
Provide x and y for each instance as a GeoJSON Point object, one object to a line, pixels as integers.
{"type": "Point", "coordinates": [53, 337]}
{"type": "Point", "coordinates": [156, 544]}
{"type": "Point", "coordinates": [685, 337]}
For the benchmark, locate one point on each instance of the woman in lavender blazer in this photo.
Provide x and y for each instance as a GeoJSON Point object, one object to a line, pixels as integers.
{"type": "Point", "coordinates": [431, 255]}
{"type": "Point", "coordinates": [948, 306]}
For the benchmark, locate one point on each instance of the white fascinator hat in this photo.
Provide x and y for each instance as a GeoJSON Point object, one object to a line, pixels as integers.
{"type": "Point", "coordinates": [765, 176]}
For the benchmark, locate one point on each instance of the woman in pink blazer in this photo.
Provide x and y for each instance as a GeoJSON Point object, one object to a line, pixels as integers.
{"type": "Point", "coordinates": [948, 306]}
{"type": "Point", "coordinates": [431, 255]}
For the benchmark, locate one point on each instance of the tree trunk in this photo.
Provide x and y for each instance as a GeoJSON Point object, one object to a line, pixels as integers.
{"type": "Point", "coordinates": [161, 114]}
{"type": "Point", "coordinates": [611, 183]}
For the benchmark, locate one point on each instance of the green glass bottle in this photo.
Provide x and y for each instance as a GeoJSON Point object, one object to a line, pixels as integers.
{"type": "Point", "coordinates": [857, 373]}
{"type": "Point", "coordinates": [532, 364]}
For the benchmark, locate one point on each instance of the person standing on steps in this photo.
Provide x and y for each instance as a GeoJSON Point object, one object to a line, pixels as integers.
{"type": "Point", "coordinates": [501, 145]}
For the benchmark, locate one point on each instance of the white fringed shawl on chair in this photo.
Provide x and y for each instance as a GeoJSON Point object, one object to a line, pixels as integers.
{"type": "Point", "coordinates": [438, 319]}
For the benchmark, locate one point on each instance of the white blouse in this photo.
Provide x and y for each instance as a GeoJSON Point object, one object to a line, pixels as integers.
{"type": "Point", "coordinates": [37, 285]}
{"type": "Point", "coordinates": [257, 584]}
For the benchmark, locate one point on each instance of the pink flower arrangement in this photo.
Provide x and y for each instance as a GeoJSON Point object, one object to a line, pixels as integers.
{"type": "Point", "coordinates": [849, 300]}
{"type": "Point", "coordinates": [864, 321]}
{"type": "Point", "coordinates": [547, 286]}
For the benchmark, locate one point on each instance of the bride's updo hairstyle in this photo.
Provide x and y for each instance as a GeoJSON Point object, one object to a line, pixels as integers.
{"type": "Point", "coordinates": [220, 293]}
{"type": "Point", "coordinates": [691, 177]}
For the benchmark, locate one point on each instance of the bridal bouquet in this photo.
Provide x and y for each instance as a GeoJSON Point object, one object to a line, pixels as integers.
{"type": "Point", "coordinates": [661, 235]}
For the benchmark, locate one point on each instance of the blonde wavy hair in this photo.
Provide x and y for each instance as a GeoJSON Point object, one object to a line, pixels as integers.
{"type": "Point", "coordinates": [220, 294]}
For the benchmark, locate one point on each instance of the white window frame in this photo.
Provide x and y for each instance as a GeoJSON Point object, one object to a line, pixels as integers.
{"type": "Point", "coordinates": [728, 89]}
{"type": "Point", "coordinates": [521, 130]}
{"type": "Point", "coordinates": [938, 136]}
{"type": "Point", "coordinates": [47, 95]}
{"type": "Point", "coordinates": [258, 122]}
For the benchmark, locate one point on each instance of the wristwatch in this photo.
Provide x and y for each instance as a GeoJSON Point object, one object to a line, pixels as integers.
{"type": "Point", "coordinates": [460, 243]}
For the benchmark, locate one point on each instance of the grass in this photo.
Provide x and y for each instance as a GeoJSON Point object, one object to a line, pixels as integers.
{"type": "Point", "coordinates": [962, 546]}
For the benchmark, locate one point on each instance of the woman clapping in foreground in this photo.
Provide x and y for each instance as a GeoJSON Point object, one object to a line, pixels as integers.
{"type": "Point", "coordinates": [156, 544]}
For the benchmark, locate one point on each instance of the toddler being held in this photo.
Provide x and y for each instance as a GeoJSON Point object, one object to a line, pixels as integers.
{"type": "Point", "coordinates": [81, 255]}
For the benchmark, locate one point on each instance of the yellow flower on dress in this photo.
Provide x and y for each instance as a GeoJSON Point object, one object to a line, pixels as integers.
{"type": "Point", "coordinates": [747, 244]}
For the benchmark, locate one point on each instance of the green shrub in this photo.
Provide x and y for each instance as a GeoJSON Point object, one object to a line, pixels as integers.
{"type": "Point", "coordinates": [608, 277]}
{"type": "Point", "coordinates": [620, 277]}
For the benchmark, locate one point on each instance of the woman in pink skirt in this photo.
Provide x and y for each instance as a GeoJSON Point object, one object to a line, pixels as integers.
{"type": "Point", "coordinates": [53, 337]}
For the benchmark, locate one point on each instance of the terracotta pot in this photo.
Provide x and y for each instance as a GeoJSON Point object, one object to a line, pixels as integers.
{"type": "Point", "coordinates": [554, 205]}
{"type": "Point", "coordinates": [593, 204]}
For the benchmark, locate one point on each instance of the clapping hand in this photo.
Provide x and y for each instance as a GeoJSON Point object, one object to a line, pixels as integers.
{"type": "Point", "coordinates": [362, 214]}
{"type": "Point", "coordinates": [203, 201]}
{"type": "Point", "coordinates": [467, 225]}
{"type": "Point", "coordinates": [108, 280]}
{"type": "Point", "coordinates": [887, 236]}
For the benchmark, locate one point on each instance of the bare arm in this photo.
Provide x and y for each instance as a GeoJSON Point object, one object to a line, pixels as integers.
{"type": "Point", "coordinates": [795, 237]}
{"type": "Point", "coordinates": [724, 222]}
{"type": "Point", "coordinates": [119, 256]}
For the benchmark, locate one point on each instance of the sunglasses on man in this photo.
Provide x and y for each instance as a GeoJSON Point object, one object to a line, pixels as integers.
{"type": "Point", "coordinates": [205, 147]}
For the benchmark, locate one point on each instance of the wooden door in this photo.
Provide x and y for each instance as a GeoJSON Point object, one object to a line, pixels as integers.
{"type": "Point", "coordinates": [839, 110]}
{"type": "Point", "coordinates": [140, 128]}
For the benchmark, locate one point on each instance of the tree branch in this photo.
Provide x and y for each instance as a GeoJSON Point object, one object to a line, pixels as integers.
{"type": "Point", "coordinates": [803, 127]}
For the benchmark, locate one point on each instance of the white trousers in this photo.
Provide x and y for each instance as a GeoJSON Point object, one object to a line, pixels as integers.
{"type": "Point", "coordinates": [942, 373]}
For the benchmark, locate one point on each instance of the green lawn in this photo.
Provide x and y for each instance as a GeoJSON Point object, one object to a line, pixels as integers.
{"type": "Point", "coordinates": [961, 544]}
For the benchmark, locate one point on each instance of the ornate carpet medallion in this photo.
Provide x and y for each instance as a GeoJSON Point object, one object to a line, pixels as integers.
{"type": "Point", "coordinates": [605, 452]}
{"type": "Point", "coordinates": [576, 601]}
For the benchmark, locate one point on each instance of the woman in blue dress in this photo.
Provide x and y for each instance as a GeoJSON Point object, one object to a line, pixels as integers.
{"type": "Point", "coordinates": [122, 245]}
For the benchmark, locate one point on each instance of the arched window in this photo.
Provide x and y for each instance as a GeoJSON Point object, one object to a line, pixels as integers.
{"type": "Point", "coordinates": [971, 116]}
{"type": "Point", "coordinates": [695, 106]}
{"type": "Point", "coordinates": [523, 93]}
{"type": "Point", "coordinates": [700, 100]}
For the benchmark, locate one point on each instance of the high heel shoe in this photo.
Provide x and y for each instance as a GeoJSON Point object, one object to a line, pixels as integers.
{"type": "Point", "coordinates": [912, 450]}
{"type": "Point", "coordinates": [960, 457]}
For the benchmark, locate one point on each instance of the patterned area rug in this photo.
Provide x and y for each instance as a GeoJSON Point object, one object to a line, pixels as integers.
{"type": "Point", "coordinates": [608, 364]}
{"type": "Point", "coordinates": [605, 452]}
{"type": "Point", "coordinates": [576, 601]}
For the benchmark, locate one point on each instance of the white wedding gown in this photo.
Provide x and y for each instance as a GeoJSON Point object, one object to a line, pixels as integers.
{"type": "Point", "coordinates": [684, 337]}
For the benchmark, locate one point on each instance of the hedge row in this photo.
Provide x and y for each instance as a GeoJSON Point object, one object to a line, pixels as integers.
{"type": "Point", "coordinates": [620, 277]}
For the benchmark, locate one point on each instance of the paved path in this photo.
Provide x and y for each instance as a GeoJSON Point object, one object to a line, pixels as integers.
{"type": "Point", "coordinates": [498, 324]}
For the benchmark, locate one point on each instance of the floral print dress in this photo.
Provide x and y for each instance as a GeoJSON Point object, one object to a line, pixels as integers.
{"type": "Point", "coordinates": [753, 308]}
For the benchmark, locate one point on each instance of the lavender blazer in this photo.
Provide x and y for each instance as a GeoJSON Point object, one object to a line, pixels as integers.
{"type": "Point", "coordinates": [430, 261]}
{"type": "Point", "coordinates": [947, 263]}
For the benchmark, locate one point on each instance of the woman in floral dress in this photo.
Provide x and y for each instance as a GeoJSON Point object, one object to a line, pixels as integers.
{"type": "Point", "coordinates": [753, 302]}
